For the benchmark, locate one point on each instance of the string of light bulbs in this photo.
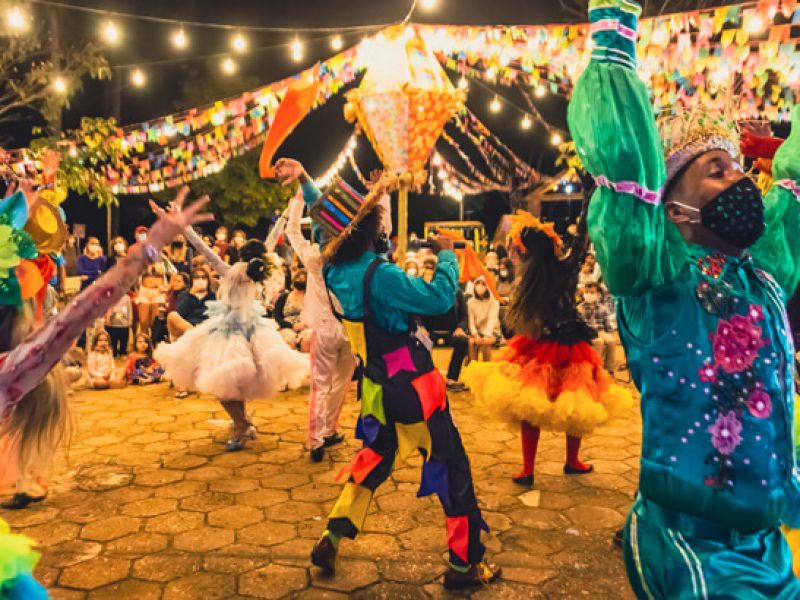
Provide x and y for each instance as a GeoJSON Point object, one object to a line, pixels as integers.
{"type": "Point", "coordinates": [342, 159]}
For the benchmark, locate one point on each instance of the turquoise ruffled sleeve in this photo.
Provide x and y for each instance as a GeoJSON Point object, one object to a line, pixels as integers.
{"type": "Point", "coordinates": [612, 122]}
{"type": "Point", "coordinates": [778, 250]}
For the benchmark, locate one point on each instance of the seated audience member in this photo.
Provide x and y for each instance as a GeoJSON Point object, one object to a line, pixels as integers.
{"type": "Point", "coordinates": [74, 363]}
{"type": "Point", "coordinates": [100, 365]}
{"type": "Point", "coordinates": [411, 267]}
{"type": "Point", "coordinates": [152, 293]}
{"type": "Point", "coordinates": [483, 316]}
{"type": "Point", "coordinates": [190, 305]}
{"type": "Point", "coordinates": [180, 254]}
{"type": "Point", "coordinates": [221, 241]}
{"type": "Point", "coordinates": [177, 284]}
{"type": "Point", "coordinates": [141, 368]}
{"type": "Point", "coordinates": [118, 325]}
{"type": "Point", "coordinates": [289, 314]}
{"type": "Point", "coordinates": [451, 327]}
{"type": "Point", "coordinates": [505, 280]}
{"type": "Point", "coordinates": [117, 250]}
{"type": "Point", "coordinates": [492, 263]}
{"type": "Point", "coordinates": [595, 313]}
{"type": "Point", "coordinates": [238, 240]}
{"type": "Point", "coordinates": [91, 263]}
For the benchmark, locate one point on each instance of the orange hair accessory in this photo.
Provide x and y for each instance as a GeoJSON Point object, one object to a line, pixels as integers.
{"type": "Point", "coordinates": [522, 220]}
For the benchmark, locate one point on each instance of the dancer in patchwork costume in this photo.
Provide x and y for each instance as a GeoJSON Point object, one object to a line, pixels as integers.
{"type": "Point", "coordinates": [701, 266]}
{"type": "Point", "coordinates": [404, 403]}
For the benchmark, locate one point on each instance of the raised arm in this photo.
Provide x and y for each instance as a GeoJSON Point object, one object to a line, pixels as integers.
{"type": "Point", "coordinates": [219, 265]}
{"type": "Point", "coordinates": [305, 250]}
{"type": "Point", "coordinates": [413, 294]}
{"type": "Point", "coordinates": [26, 365]}
{"type": "Point", "coordinates": [612, 123]}
{"type": "Point", "coordinates": [778, 250]}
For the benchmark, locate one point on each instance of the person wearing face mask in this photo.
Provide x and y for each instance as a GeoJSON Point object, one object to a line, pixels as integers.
{"type": "Point", "coordinates": [505, 280]}
{"type": "Point", "coordinates": [483, 313]}
{"type": "Point", "coordinates": [403, 396]}
{"type": "Point", "coordinates": [118, 249]}
{"type": "Point", "coordinates": [595, 313]}
{"type": "Point", "coordinates": [141, 234]}
{"type": "Point", "coordinates": [179, 254]}
{"type": "Point", "coordinates": [91, 263]}
{"type": "Point", "coordinates": [289, 313]}
{"type": "Point", "coordinates": [701, 266]}
{"type": "Point", "coordinates": [221, 241]}
{"type": "Point", "coordinates": [232, 251]}
{"type": "Point", "coordinates": [411, 267]}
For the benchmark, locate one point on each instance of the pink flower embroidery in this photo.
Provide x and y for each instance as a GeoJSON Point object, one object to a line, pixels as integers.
{"type": "Point", "coordinates": [759, 404]}
{"type": "Point", "coordinates": [726, 433]}
{"type": "Point", "coordinates": [736, 343]}
{"type": "Point", "coordinates": [708, 373]}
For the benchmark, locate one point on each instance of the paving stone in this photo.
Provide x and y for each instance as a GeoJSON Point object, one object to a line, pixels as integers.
{"type": "Point", "coordinates": [53, 533]}
{"type": "Point", "coordinates": [262, 498]}
{"type": "Point", "coordinates": [166, 567]}
{"type": "Point", "coordinates": [137, 544]}
{"type": "Point", "coordinates": [234, 486]}
{"type": "Point", "coordinates": [94, 573]}
{"type": "Point", "coordinates": [267, 533]}
{"type": "Point", "coordinates": [390, 591]}
{"type": "Point", "coordinates": [294, 511]}
{"type": "Point", "coordinates": [184, 461]}
{"type": "Point", "coordinates": [70, 553]}
{"type": "Point", "coordinates": [159, 477]}
{"type": "Point", "coordinates": [92, 510]}
{"type": "Point", "coordinates": [415, 568]}
{"type": "Point", "coordinates": [273, 581]}
{"type": "Point", "coordinates": [235, 517]}
{"type": "Point", "coordinates": [207, 501]}
{"type": "Point", "coordinates": [595, 518]}
{"type": "Point", "coordinates": [150, 507]}
{"type": "Point", "coordinates": [110, 528]}
{"type": "Point", "coordinates": [141, 590]}
{"type": "Point", "coordinates": [181, 489]}
{"type": "Point", "coordinates": [203, 539]}
{"type": "Point", "coordinates": [208, 586]}
{"type": "Point", "coordinates": [175, 522]}
{"type": "Point", "coordinates": [33, 515]}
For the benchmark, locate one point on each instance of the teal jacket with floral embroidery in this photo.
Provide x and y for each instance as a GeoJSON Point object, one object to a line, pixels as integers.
{"type": "Point", "coordinates": [706, 335]}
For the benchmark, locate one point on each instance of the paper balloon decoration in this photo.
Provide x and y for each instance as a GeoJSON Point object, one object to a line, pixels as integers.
{"type": "Point", "coordinates": [402, 106]}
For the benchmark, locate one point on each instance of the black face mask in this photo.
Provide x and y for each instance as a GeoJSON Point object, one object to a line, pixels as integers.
{"type": "Point", "coordinates": [736, 215]}
{"type": "Point", "coordinates": [300, 286]}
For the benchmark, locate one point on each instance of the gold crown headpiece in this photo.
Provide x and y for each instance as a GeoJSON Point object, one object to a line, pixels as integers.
{"type": "Point", "coordinates": [695, 131]}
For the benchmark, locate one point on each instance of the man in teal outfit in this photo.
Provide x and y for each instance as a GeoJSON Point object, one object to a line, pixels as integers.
{"type": "Point", "coordinates": [701, 265]}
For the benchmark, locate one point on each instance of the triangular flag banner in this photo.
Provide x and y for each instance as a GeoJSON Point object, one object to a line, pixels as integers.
{"type": "Point", "coordinates": [432, 391]}
{"type": "Point", "coordinates": [362, 465]}
{"type": "Point", "coordinates": [399, 360]}
{"type": "Point", "coordinates": [353, 504]}
{"type": "Point", "coordinates": [372, 400]}
{"type": "Point", "coordinates": [411, 438]}
{"type": "Point", "coordinates": [295, 106]}
{"type": "Point", "coordinates": [458, 536]}
{"type": "Point", "coordinates": [434, 480]}
{"type": "Point", "coordinates": [367, 428]}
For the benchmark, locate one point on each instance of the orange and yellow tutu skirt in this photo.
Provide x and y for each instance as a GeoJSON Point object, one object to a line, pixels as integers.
{"type": "Point", "coordinates": [554, 386]}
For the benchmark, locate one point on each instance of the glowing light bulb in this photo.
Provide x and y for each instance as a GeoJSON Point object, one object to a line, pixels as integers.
{"type": "Point", "coordinates": [428, 4]}
{"type": "Point", "coordinates": [436, 160]}
{"type": "Point", "coordinates": [463, 84]}
{"type": "Point", "coordinates": [297, 50]}
{"type": "Point", "coordinates": [337, 43]}
{"type": "Point", "coordinates": [495, 106]}
{"type": "Point", "coordinates": [442, 174]}
{"type": "Point", "coordinates": [661, 36]}
{"type": "Point", "coordinates": [138, 78]}
{"type": "Point", "coordinates": [59, 85]}
{"type": "Point", "coordinates": [239, 43]}
{"type": "Point", "coordinates": [526, 122]}
{"type": "Point", "coordinates": [16, 20]}
{"type": "Point", "coordinates": [179, 39]}
{"type": "Point", "coordinates": [229, 66]}
{"type": "Point", "coordinates": [73, 151]}
{"type": "Point", "coordinates": [111, 33]}
{"type": "Point", "coordinates": [556, 139]}
{"type": "Point", "coordinates": [540, 91]}
{"type": "Point", "coordinates": [755, 24]}
{"type": "Point", "coordinates": [491, 73]}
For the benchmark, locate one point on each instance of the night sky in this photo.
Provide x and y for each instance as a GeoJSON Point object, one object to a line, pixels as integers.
{"type": "Point", "coordinates": [318, 140]}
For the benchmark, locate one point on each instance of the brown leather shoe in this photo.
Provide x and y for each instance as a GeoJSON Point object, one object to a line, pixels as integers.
{"type": "Point", "coordinates": [480, 574]}
{"type": "Point", "coordinates": [324, 555]}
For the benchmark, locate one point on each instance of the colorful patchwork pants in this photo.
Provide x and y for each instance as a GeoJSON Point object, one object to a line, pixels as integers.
{"type": "Point", "coordinates": [395, 426]}
{"type": "Point", "coordinates": [678, 557]}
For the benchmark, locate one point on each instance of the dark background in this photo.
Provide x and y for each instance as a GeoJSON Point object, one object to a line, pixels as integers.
{"type": "Point", "coordinates": [317, 140]}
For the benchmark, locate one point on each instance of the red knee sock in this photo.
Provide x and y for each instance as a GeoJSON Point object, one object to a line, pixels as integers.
{"type": "Point", "coordinates": [530, 442]}
{"type": "Point", "coordinates": [573, 448]}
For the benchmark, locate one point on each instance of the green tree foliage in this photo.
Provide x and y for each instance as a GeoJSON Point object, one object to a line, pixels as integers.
{"type": "Point", "coordinates": [27, 75]}
{"type": "Point", "coordinates": [239, 196]}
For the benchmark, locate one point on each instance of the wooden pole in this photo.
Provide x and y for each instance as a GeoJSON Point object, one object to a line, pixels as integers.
{"type": "Point", "coordinates": [402, 220]}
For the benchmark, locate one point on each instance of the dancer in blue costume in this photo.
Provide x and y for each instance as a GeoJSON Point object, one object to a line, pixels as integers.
{"type": "Point", "coordinates": [702, 267]}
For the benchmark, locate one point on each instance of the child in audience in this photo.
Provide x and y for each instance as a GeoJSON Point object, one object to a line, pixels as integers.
{"type": "Point", "coordinates": [100, 365]}
{"type": "Point", "coordinates": [118, 324]}
{"type": "Point", "coordinates": [141, 367]}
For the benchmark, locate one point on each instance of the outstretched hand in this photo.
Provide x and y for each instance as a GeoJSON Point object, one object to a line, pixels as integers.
{"type": "Point", "coordinates": [173, 221]}
{"type": "Point", "coordinates": [289, 170]}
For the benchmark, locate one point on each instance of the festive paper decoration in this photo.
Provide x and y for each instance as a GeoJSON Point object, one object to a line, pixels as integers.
{"type": "Point", "coordinates": [353, 504]}
{"type": "Point", "coordinates": [434, 481]}
{"type": "Point", "coordinates": [358, 342]}
{"type": "Point", "coordinates": [431, 389]}
{"type": "Point", "coordinates": [362, 465]}
{"type": "Point", "coordinates": [367, 428]}
{"type": "Point", "coordinates": [458, 536]}
{"type": "Point", "coordinates": [372, 400]}
{"type": "Point", "coordinates": [398, 360]}
{"type": "Point", "coordinates": [413, 437]}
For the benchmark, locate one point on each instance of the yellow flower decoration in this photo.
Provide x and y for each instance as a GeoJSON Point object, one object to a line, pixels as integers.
{"type": "Point", "coordinates": [523, 219]}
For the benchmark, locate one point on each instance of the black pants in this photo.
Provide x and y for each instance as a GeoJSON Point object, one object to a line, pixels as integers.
{"type": "Point", "coordinates": [119, 339]}
{"type": "Point", "coordinates": [460, 344]}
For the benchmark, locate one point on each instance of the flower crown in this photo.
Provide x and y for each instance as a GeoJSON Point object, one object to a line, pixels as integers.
{"type": "Point", "coordinates": [522, 219]}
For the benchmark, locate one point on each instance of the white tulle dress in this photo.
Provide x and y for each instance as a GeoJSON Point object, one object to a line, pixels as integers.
{"type": "Point", "coordinates": [237, 353]}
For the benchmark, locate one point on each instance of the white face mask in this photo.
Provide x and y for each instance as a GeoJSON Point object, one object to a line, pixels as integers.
{"type": "Point", "coordinates": [503, 273]}
{"type": "Point", "coordinates": [221, 237]}
{"type": "Point", "coordinates": [119, 248]}
{"type": "Point", "coordinates": [590, 298]}
{"type": "Point", "coordinates": [142, 237]}
{"type": "Point", "coordinates": [200, 285]}
{"type": "Point", "coordinates": [412, 272]}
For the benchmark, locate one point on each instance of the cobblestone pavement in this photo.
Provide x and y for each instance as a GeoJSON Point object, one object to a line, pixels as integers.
{"type": "Point", "coordinates": [149, 506]}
